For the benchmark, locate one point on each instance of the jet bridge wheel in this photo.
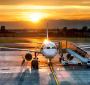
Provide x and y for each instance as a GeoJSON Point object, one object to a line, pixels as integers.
{"type": "Point", "coordinates": [34, 63]}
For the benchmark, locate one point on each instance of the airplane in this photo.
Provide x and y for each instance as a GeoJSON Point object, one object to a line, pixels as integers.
{"type": "Point", "coordinates": [48, 49]}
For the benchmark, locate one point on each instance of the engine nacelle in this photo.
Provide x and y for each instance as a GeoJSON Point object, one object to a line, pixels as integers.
{"type": "Point", "coordinates": [28, 56]}
{"type": "Point", "coordinates": [69, 57]}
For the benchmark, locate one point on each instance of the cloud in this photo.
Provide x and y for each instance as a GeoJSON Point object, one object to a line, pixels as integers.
{"type": "Point", "coordinates": [43, 7]}
{"type": "Point", "coordinates": [55, 12]}
{"type": "Point", "coordinates": [45, 2]}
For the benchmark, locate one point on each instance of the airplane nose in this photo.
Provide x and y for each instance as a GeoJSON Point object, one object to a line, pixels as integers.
{"type": "Point", "coordinates": [50, 52]}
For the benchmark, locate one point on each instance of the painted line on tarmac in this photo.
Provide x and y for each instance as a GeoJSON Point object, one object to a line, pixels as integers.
{"type": "Point", "coordinates": [54, 75]}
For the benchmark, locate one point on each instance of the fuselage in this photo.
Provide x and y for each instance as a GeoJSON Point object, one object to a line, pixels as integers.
{"type": "Point", "coordinates": [49, 49]}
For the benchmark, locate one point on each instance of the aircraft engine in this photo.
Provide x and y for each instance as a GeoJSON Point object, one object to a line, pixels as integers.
{"type": "Point", "coordinates": [28, 56]}
{"type": "Point", "coordinates": [69, 57]}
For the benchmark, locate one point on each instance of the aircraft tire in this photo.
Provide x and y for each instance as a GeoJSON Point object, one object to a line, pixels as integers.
{"type": "Point", "coordinates": [34, 64]}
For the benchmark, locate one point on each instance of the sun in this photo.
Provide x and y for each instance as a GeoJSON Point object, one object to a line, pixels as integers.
{"type": "Point", "coordinates": [36, 17]}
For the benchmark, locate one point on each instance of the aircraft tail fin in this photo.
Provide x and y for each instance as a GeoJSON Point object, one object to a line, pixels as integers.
{"type": "Point", "coordinates": [47, 31]}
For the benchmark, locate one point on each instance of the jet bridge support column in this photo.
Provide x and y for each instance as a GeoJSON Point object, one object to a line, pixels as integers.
{"type": "Point", "coordinates": [60, 52]}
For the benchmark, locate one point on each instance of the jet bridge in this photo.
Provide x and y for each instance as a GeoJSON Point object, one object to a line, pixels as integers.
{"type": "Point", "coordinates": [75, 51]}
{"type": "Point", "coordinates": [78, 56]}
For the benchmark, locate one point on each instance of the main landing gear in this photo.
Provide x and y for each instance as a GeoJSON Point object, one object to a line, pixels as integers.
{"type": "Point", "coordinates": [34, 62]}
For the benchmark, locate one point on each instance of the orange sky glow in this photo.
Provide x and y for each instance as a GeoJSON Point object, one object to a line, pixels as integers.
{"type": "Point", "coordinates": [50, 9]}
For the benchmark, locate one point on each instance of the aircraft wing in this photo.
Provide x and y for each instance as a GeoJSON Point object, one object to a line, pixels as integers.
{"type": "Point", "coordinates": [18, 49]}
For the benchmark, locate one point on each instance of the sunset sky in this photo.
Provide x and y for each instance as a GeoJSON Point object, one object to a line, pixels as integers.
{"type": "Point", "coordinates": [22, 10]}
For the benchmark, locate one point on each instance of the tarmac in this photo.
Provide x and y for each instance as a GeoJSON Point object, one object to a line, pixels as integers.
{"type": "Point", "coordinates": [12, 73]}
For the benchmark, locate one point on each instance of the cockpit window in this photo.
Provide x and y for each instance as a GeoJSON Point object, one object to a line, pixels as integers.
{"type": "Point", "coordinates": [53, 47]}
{"type": "Point", "coordinates": [48, 47]}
